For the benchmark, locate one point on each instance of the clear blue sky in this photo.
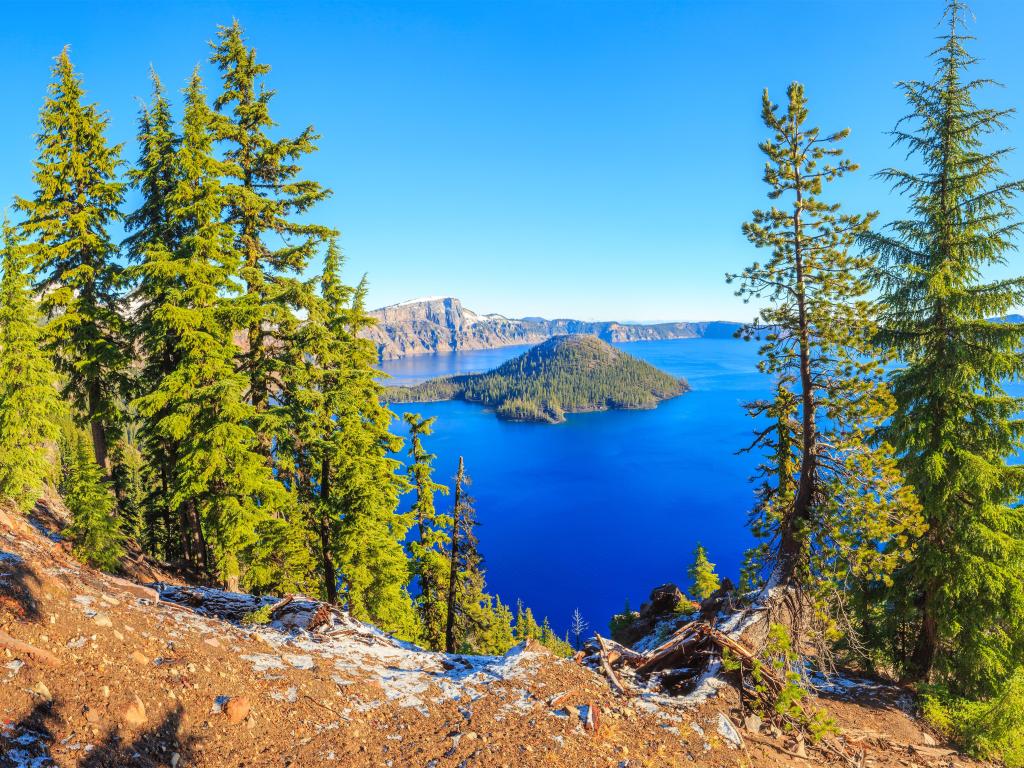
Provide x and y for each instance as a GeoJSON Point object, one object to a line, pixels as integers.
{"type": "Point", "coordinates": [590, 160]}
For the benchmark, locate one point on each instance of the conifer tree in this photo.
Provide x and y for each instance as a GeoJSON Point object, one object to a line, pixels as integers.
{"type": "Point", "coordinates": [336, 450]}
{"type": "Point", "coordinates": [154, 239]}
{"type": "Point", "coordinates": [29, 405]}
{"type": "Point", "coordinates": [126, 479]}
{"type": "Point", "coordinates": [375, 569]}
{"type": "Point", "coordinates": [843, 517]}
{"type": "Point", "coordinates": [526, 626]}
{"type": "Point", "coordinates": [267, 198]}
{"type": "Point", "coordinates": [94, 531]}
{"type": "Point", "coordinates": [470, 613]}
{"type": "Point", "coordinates": [702, 575]}
{"type": "Point", "coordinates": [498, 637]}
{"type": "Point", "coordinates": [77, 199]}
{"type": "Point", "coordinates": [955, 426]}
{"type": "Point", "coordinates": [232, 506]}
{"type": "Point", "coordinates": [430, 562]}
{"type": "Point", "coordinates": [578, 625]}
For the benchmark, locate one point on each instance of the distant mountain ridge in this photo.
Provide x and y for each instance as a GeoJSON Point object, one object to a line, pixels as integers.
{"type": "Point", "coordinates": [576, 373]}
{"type": "Point", "coordinates": [443, 324]}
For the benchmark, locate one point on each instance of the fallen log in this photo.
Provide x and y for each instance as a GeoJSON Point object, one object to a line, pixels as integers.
{"type": "Point", "coordinates": [606, 667]}
{"type": "Point", "coordinates": [759, 739]}
{"type": "Point", "coordinates": [18, 648]}
{"type": "Point", "coordinates": [627, 654]}
{"type": "Point", "coordinates": [137, 590]}
{"type": "Point", "coordinates": [280, 604]}
{"type": "Point", "coordinates": [672, 638]}
{"type": "Point", "coordinates": [670, 656]}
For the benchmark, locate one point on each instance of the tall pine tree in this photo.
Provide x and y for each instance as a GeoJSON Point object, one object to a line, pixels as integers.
{"type": "Point", "coordinates": [472, 623]}
{"type": "Point", "coordinates": [231, 505]}
{"type": "Point", "coordinates": [843, 517]}
{"type": "Point", "coordinates": [95, 534]}
{"type": "Point", "coordinates": [77, 199]}
{"type": "Point", "coordinates": [955, 427]}
{"type": "Point", "coordinates": [29, 405]}
{"type": "Point", "coordinates": [151, 247]}
{"type": "Point", "coordinates": [266, 197]}
{"type": "Point", "coordinates": [336, 450]}
{"type": "Point", "coordinates": [430, 561]}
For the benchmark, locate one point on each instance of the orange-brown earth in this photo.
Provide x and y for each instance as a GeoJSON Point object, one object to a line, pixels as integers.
{"type": "Point", "coordinates": [114, 676]}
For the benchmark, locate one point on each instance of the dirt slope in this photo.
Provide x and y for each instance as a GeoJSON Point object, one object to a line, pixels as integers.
{"type": "Point", "coordinates": [174, 681]}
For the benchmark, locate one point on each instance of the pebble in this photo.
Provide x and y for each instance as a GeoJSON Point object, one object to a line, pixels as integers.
{"type": "Point", "coordinates": [40, 690]}
{"type": "Point", "coordinates": [135, 714]}
{"type": "Point", "coordinates": [236, 709]}
{"type": "Point", "coordinates": [102, 620]}
{"type": "Point", "coordinates": [752, 723]}
{"type": "Point", "coordinates": [139, 658]}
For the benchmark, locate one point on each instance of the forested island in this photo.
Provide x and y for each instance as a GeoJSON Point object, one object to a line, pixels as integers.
{"type": "Point", "coordinates": [566, 374]}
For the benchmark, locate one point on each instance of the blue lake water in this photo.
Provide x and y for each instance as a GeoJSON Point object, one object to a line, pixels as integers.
{"type": "Point", "coordinates": [607, 505]}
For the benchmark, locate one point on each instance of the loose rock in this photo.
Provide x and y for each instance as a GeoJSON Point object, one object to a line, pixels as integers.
{"type": "Point", "coordinates": [135, 714]}
{"type": "Point", "coordinates": [236, 709]}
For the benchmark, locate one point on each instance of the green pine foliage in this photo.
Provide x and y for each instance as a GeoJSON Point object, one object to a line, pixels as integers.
{"type": "Point", "coordinates": [498, 636]}
{"type": "Point", "coordinates": [475, 622]}
{"type": "Point", "coordinates": [76, 201]}
{"type": "Point", "coordinates": [779, 660]}
{"type": "Point", "coordinates": [836, 511]}
{"type": "Point", "coordinates": [703, 579]}
{"type": "Point", "coordinates": [94, 531]}
{"type": "Point", "coordinates": [267, 203]}
{"type": "Point", "coordinates": [990, 729]}
{"type": "Point", "coordinates": [29, 406]}
{"type": "Point", "coordinates": [126, 477]}
{"type": "Point", "coordinates": [154, 239]}
{"type": "Point", "coordinates": [226, 494]}
{"type": "Point", "coordinates": [957, 610]}
{"type": "Point", "coordinates": [335, 449]}
{"type": "Point", "coordinates": [432, 537]}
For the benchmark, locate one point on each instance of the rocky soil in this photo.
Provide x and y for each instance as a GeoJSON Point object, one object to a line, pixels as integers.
{"type": "Point", "coordinates": [99, 671]}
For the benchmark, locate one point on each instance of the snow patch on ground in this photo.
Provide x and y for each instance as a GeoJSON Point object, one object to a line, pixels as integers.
{"type": "Point", "coordinates": [407, 674]}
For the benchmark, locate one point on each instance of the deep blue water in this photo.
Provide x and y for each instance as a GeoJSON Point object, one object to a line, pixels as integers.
{"type": "Point", "coordinates": [607, 505]}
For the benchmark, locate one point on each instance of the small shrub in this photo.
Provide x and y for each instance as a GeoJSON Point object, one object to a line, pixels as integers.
{"type": "Point", "coordinates": [620, 621]}
{"type": "Point", "coordinates": [787, 706]}
{"type": "Point", "coordinates": [992, 729]}
{"type": "Point", "coordinates": [260, 616]}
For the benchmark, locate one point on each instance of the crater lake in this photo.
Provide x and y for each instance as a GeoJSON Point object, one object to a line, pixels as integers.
{"type": "Point", "coordinates": [606, 506]}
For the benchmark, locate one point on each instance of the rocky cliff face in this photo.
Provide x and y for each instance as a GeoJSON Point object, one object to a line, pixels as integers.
{"type": "Point", "coordinates": [442, 324]}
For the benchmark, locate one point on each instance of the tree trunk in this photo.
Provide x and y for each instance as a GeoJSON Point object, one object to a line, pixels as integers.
{"type": "Point", "coordinates": [99, 434]}
{"type": "Point", "coordinates": [196, 540]}
{"type": "Point", "coordinates": [330, 574]}
{"type": "Point", "coordinates": [791, 544]}
{"type": "Point", "coordinates": [453, 566]}
{"type": "Point", "coordinates": [926, 648]}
